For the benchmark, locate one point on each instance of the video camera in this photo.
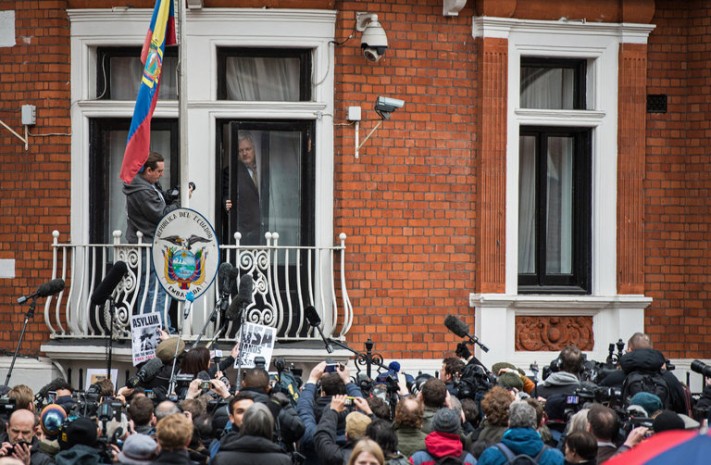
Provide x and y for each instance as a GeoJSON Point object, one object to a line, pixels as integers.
{"type": "Point", "coordinates": [172, 195]}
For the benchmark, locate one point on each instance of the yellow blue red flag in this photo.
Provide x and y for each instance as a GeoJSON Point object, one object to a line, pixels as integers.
{"type": "Point", "coordinates": [161, 32]}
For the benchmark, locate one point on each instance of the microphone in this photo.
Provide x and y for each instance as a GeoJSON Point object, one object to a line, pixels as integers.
{"type": "Point", "coordinates": [227, 274]}
{"type": "Point", "coordinates": [461, 329]}
{"type": "Point", "coordinates": [189, 298]}
{"type": "Point", "coordinates": [315, 321]}
{"type": "Point", "coordinates": [146, 373]}
{"type": "Point", "coordinates": [244, 298]}
{"type": "Point", "coordinates": [45, 290]}
{"type": "Point", "coordinates": [106, 288]}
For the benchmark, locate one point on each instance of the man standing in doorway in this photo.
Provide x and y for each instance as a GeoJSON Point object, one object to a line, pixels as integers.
{"type": "Point", "coordinates": [246, 193]}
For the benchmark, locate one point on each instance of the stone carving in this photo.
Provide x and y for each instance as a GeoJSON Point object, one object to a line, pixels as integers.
{"type": "Point", "coordinates": [552, 333]}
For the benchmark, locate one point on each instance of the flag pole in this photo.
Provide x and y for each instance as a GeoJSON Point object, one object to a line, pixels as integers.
{"type": "Point", "coordinates": [183, 103]}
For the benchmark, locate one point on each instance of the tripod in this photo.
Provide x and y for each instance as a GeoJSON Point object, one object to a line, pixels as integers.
{"type": "Point", "coordinates": [30, 313]}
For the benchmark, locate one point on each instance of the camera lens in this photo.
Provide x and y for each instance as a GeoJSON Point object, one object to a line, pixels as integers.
{"type": "Point", "coordinates": [700, 367]}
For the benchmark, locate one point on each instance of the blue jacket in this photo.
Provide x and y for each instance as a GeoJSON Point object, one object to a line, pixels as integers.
{"type": "Point", "coordinates": [521, 441]}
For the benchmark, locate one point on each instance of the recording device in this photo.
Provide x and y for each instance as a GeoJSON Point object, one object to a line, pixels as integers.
{"type": "Point", "coordinates": [374, 41]}
{"type": "Point", "coordinates": [243, 299]}
{"type": "Point", "coordinates": [260, 362]}
{"type": "Point", "coordinates": [697, 366]}
{"type": "Point", "coordinates": [147, 372]}
{"type": "Point", "coordinates": [45, 290]}
{"type": "Point", "coordinates": [106, 288]}
{"type": "Point", "coordinates": [331, 368]}
{"type": "Point", "coordinates": [189, 298]}
{"type": "Point", "coordinates": [461, 329]}
{"type": "Point", "coordinates": [205, 385]}
{"type": "Point", "coordinates": [51, 397]}
{"type": "Point", "coordinates": [315, 321]}
{"type": "Point", "coordinates": [227, 274]}
{"type": "Point", "coordinates": [172, 195]}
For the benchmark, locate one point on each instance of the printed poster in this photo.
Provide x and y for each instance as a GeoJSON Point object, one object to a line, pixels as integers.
{"type": "Point", "coordinates": [258, 342]}
{"type": "Point", "coordinates": [145, 336]}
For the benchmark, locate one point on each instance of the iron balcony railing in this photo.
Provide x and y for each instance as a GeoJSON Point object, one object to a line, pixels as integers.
{"type": "Point", "coordinates": [287, 280]}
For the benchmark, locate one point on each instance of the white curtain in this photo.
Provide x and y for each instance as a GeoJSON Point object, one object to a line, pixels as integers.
{"type": "Point", "coordinates": [125, 78]}
{"type": "Point", "coordinates": [263, 79]}
{"type": "Point", "coordinates": [547, 88]}
{"type": "Point", "coordinates": [559, 221]}
{"type": "Point", "coordinates": [527, 205]}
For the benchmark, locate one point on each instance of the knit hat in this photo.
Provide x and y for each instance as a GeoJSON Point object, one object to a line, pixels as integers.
{"type": "Point", "coordinates": [138, 449]}
{"type": "Point", "coordinates": [356, 423]}
{"type": "Point", "coordinates": [648, 401]}
{"type": "Point", "coordinates": [51, 419]}
{"type": "Point", "coordinates": [446, 420]}
{"type": "Point", "coordinates": [394, 366]}
{"type": "Point", "coordinates": [496, 367]}
{"type": "Point", "coordinates": [80, 431]}
{"type": "Point", "coordinates": [667, 420]}
{"type": "Point", "coordinates": [510, 381]}
{"type": "Point", "coordinates": [166, 349]}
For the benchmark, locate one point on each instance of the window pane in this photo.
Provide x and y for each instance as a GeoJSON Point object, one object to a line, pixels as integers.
{"type": "Point", "coordinates": [527, 205]}
{"type": "Point", "coordinates": [125, 78]}
{"type": "Point", "coordinates": [559, 208]}
{"type": "Point", "coordinates": [263, 78]}
{"type": "Point", "coordinates": [547, 87]}
{"type": "Point", "coordinates": [116, 201]}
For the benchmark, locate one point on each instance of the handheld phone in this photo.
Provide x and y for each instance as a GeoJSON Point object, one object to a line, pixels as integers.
{"type": "Point", "coordinates": [331, 368]}
{"type": "Point", "coordinates": [573, 400]}
{"type": "Point", "coordinates": [51, 397]}
{"type": "Point", "coordinates": [205, 385]}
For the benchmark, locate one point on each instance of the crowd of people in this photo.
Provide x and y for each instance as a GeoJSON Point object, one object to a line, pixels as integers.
{"type": "Point", "coordinates": [185, 410]}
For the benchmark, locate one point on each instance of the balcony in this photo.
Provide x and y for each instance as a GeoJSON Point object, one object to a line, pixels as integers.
{"type": "Point", "coordinates": [287, 280]}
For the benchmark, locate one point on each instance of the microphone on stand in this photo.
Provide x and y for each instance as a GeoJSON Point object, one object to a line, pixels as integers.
{"type": "Point", "coordinates": [461, 329]}
{"type": "Point", "coordinates": [244, 298]}
{"type": "Point", "coordinates": [315, 321]}
{"type": "Point", "coordinates": [106, 287]}
{"type": "Point", "coordinates": [189, 298]}
{"type": "Point", "coordinates": [45, 290]}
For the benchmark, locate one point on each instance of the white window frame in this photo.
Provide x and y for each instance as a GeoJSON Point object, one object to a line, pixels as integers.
{"type": "Point", "coordinates": [613, 315]}
{"type": "Point", "coordinates": [206, 30]}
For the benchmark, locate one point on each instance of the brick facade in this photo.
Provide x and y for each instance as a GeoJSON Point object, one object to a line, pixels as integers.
{"type": "Point", "coordinates": [423, 205]}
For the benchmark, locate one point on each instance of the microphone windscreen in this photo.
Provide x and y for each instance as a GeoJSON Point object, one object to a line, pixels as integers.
{"type": "Point", "coordinates": [50, 288]}
{"type": "Point", "coordinates": [227, 274]}
{"type": "Point", "coordinates": [233, 312]}
{"type": "Point", "coordinates": [312, 316]}
{"type": "Point", "coordinates": [246, 286]}
{"type": "Point", "coordinates": [107, 286]}
{"type": "Point", "coordinates": [456, 326]}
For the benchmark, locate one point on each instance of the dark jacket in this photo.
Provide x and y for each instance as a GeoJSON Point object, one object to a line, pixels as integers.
{"type": "Point", "coordinates": [250, 450]}
{"type": "Point", "coordinates": [246, 215]}
{"type": "Point", "coordinates": [289, 428]}
{"type": "Point", "coordinates": [173, 458]}
{"type": "Point", "coordinates": [37, 457]}
{"type": "Point", "coordinates": [78, 455]}
{"type": "Point", "coordinates": [309, 407]}
{"type": "Point", "coordinates": [438, 445]}
{"type": "Point", "coordinates": [521, 441]}
{"type": "Point", "coordinates": [145, 206]}
{"type": "Point", "coordinates": [328, 450]}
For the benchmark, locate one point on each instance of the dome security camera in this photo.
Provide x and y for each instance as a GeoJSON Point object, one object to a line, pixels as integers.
{"type": "Point", "coordinates": [373, 42]}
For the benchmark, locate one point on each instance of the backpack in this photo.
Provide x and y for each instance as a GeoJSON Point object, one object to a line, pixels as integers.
{"type": "Point", "coordinates": [450, 460]}
{"type": "Point", "coordinates": [287, 383]}
{"type": "Point", "coordinates": [644, 381]}
{"type": "Point", "coordinates": [521, 459]}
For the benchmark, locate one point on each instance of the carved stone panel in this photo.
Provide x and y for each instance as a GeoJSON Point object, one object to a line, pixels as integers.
{"type": "Point", "coordinates": [553, 333]}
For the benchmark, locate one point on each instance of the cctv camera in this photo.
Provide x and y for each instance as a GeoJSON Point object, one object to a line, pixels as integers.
{"type": "Point", "coordinates": [373, 42]}
{"type": "Point", "coordinates": [386, 105]}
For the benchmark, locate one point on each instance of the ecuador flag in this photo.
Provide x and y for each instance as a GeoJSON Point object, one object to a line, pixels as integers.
{"type": "Point", "coordinates": [160, 33]}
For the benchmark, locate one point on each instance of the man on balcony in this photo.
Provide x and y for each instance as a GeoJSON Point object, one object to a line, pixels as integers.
{"type": "Point", "coordinates": [145, 206]}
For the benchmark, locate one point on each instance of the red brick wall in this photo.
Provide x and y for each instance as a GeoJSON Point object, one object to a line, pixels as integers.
{"type": "Point", "coordinates": [678, 261]}
{"type": "Point", "coordinates": [407, 205]}
{"type": "Point", "coordinates": [35, 183]}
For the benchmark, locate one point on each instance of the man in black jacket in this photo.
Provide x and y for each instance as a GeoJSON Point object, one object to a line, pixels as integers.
{"type": "Point", "coordinates": [328, 450]}
{"type": "Point", "coordinates": [20, 440]}
{"type": "Point", "coordinates": [642, 357]}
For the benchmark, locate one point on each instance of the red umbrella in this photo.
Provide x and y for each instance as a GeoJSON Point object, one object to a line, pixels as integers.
{"type": "Point", "coordinates": [678, 447]}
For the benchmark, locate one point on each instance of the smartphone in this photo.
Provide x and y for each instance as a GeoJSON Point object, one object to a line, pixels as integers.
{"type": "Point", "coordinates": [573, 400]}
{"type": "Point", "coordinates": [205, 385]}
{"type": "Point", "coordinates": [51, 397]}
{"type": "Point", "coordinates": [331, 368]}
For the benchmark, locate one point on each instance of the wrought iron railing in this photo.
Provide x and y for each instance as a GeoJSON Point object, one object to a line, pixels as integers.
{"type": "Point", "coordinates": [287, 280]}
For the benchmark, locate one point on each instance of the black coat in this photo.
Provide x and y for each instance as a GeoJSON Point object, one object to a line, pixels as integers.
{"type": "Point", "coordinates": [250, 450]}
{"type": "Point", "coordinates": [173, 458]}
{"type": "Point", "coordinates": [246, 214]}
{"type": "Point", "coordinates": [329, 452]}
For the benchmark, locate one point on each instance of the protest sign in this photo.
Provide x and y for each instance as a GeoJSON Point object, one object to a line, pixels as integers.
{"type": "Point", "coordinates": [258, 342]}
{"type": "Point", "coordinates": [145, 336]}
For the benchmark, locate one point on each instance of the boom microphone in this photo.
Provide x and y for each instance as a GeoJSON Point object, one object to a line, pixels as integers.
{"type": "Point", "coordinates": [244, 298]}
{"type": "Point", "coordinates": [45, 290]}
{"type": "Point", "coordinates": [189, 298]}
{"type": "Point", "coordinates": [461, 329]}
{"type": "Point", "coordinates": [147, 372]}
{"type": "Point", "coordinates": [113, 277]}
{"type": "Point", "coordinates": [315, 321]}
{"type": "Point", "coordinates": [227, 275]}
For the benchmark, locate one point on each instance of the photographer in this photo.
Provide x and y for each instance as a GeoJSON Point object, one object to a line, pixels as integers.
{"type": "Point", "coordinates": [565, 381]}
{"type": "Point", "coordinates": [450, 373]}
{"type": "Point", "coordinates": [310, 406]}
{"type": "Point", "coordinates": [78, 443]}
{"type": "Point", "coordinates": [20, 442]}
